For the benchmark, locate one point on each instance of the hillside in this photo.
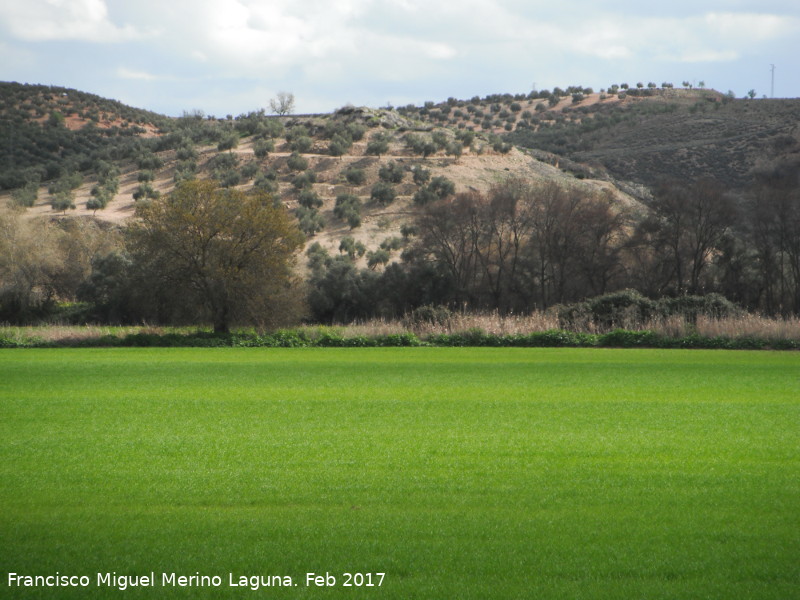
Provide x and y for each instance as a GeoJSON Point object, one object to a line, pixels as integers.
{"type": "Point", "coordinates": [617, 142]}
{"type": "Point", "coordinates": [48, 130]}
{"type": "Point", "coordinates": [636, 135]}
{"type": "Point", "coordinates": [677, 134]}
{"type": "Point", "coordinates": [508, 203]}
{"type": "Point", "coordinates": [256, 150]}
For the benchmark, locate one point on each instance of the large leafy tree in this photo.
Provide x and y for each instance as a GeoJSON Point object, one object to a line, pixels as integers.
{"type": "Point", "coordinates": [225, 253]}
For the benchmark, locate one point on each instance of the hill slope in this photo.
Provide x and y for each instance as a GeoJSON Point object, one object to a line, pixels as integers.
{"type": "Point", "coordinates": [605, 142]}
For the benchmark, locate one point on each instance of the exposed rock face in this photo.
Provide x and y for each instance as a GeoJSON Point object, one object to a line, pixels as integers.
{"type": "Point", "coordinates": [380, 116]}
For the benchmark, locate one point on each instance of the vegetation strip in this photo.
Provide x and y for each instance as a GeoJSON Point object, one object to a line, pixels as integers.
{"type": "Point", "coordinates": [327, 338]}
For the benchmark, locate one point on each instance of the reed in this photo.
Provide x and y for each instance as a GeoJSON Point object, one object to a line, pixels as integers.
{"type": "Point", "coordinates": [493, 323]}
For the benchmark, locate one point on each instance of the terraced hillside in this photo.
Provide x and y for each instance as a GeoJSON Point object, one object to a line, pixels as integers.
{"type": "Point", "coordinates": [382, 163]}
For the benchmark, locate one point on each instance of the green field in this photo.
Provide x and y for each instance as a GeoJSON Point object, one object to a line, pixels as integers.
{"type": "Point", "coordinates": [459, 473]}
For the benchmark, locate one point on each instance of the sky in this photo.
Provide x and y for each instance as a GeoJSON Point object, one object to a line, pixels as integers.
{"type": "Point", "coordinates": [232, 56]}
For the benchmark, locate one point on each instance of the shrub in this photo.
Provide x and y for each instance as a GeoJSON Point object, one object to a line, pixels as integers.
{"type": "Point", "coordinates": [424, 196]}
{"type": "Point", "coordinates": [421, 176]}
{"type": "Point", "coordinates": [146, 191]}
{"type": "Point", "coordinates": [223, 162]}
{"type": "Point", "coordinates": [355, 176]}
{"type": "Point", "coordinates": [249, 170]}
{"type": "Point", "coordinates": [378, 144]}
{"type": "Point", "coordinates": [442, 187]}
{"type": "Point", "coordinates": [339, 145]}
{"type": "Point", "coordinates": [383, 193]}
{"type": "Point", "coordinates": [229, 141]}
{"type": "Point", "coordinates": [309, 199]}
{"type": "Point", "coordinates": [352, 248]}
{"type": "Point", "coordinates": [391, 172]}
{"type": "Point", "coordinates": [265, 182]}
{"type": "Point", "coordinates": [296, 162]}
{"type": "Point", "coordinates": [348, 208]}
{"type": "Point", "coordinates": [26, 195]}
{"type": "Point", "coordinates": [149, 161]}
{"type": "Point", "coordinates": [393, 243]}
{"type": "Point", "coordinates": [622, 338]}
{"type": "Point", "coordinates": [356, 131]}
{"type": "Point", "coordinates": [301, 143]}
{"type": "Point", "coordinates": [690, 307]}
{"type": "Point", "coordinates": [309, 220]}
{"type": "Point", "coordinates": [262, 148]}
{"type": "Point", "coordinates": [428, 314]}
{"type": "Point", "coordinates": [626, 308]}
{"type": "Point", "coordinates": [377, 257]}
{"type": "Point", "coordinates": [228, 178]}
{"type": "Point", "coordinates": [304, 180]}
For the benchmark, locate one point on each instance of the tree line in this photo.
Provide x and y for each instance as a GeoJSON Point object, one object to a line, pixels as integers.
{"type": "Point", "coordinates": [209, 254]}
{"type": "Point", "coordinates": [523, 246]}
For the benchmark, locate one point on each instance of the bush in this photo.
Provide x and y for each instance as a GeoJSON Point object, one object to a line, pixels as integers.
{"type": "Point", "coordinates": [222, 162]}
{"type": "Point", "coordinates": [301, 143]}
{"type": "Point", "coordinates": [421, 176]}
{"type": "Point", "coordinates": [145, 191]}
{"type": "Point", "coordinates": [391, 172]}
{"type": "Point", "coordinates": [348, 208]}
{"type": "Point", "coordinates": [26, 195]}
{"type": "Point", "coordinates": [339, 145]}
{"type": "Point", "coordinates": [355, 176]}
{"type": "Point", "coordinates": [229, 141]}
{"type": "Point", "coordinates": [309, 220]}
{"type": "Point", "coordinates": [690, 307]}
{"type": "Point", "coordinates": [249, 170]}
{"type": "Point", "coordinates": [351, 247]}
{"type": "Point", "coordinates": [377, 257]}
{"type": "Point", "coordinates": [621, 338]}
{"type": "Point", "coordinates": [424, 196]}
{"type": "Point", "coordinates": [442, 187]}
{"type": "Point", "coordinates": [356, 131]}
{"type": "Point", "coordinates": [304, 180]}
{"type": "Point", "coordinates": [296, 162]}
{"type": "Point", "coordinates": [309, 199]}
{"type": "Point", "coordinates": [383, 193]}
{"type": "Point", "coordinates": [266, 183]}
{"type": "Point", "coordinates": [378, 144]}
{"type": "Point", "coordinates": [262, 148]}
{"type": "Point", "coordinates": [627, 308]}
{"type": "Point", "coordinates": [428, 314]}
{"type": "Point", "coordinates": [228, 178]}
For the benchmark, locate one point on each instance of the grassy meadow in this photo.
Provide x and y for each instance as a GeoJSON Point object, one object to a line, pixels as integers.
{"type": "Point", "coordinates": [457, 472]}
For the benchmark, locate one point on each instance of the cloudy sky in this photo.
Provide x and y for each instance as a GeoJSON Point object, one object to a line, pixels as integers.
{"type": "Point", "coordinates": [232, 56]}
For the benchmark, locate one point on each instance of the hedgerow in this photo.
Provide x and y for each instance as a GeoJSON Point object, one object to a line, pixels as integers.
{"type": "Point", "coordinates": [330, 338]}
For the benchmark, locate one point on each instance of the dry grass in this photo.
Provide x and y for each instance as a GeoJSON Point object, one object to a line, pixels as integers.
{"type": "Point", "coordinates": [59, 333]}
{"type": "Point", "coordinates": [747, 326]}
{"type": "Point", "coordinates": [494, 323]}
{"type": "Point", "coordinates": [750, 326]}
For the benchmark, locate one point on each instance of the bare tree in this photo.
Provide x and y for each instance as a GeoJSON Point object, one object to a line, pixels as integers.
{"type": "Point", "coordinates": [685, 226]}
{"type": "Point", "coordinates": [282, 104]}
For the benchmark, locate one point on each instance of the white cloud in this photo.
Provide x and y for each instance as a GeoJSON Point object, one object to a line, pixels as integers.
{"type": "Point", "coordinates": [48, 20]}
{"type": "Point", "coordinates": [362, 50]}
{"type": "Point", "coordinates": [748, 27]}
{"type": "Point", "coordinates": [440, 51]}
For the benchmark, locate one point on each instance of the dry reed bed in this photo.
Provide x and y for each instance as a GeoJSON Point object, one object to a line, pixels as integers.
{"type": "Point", "coordinates": [748, 326]}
